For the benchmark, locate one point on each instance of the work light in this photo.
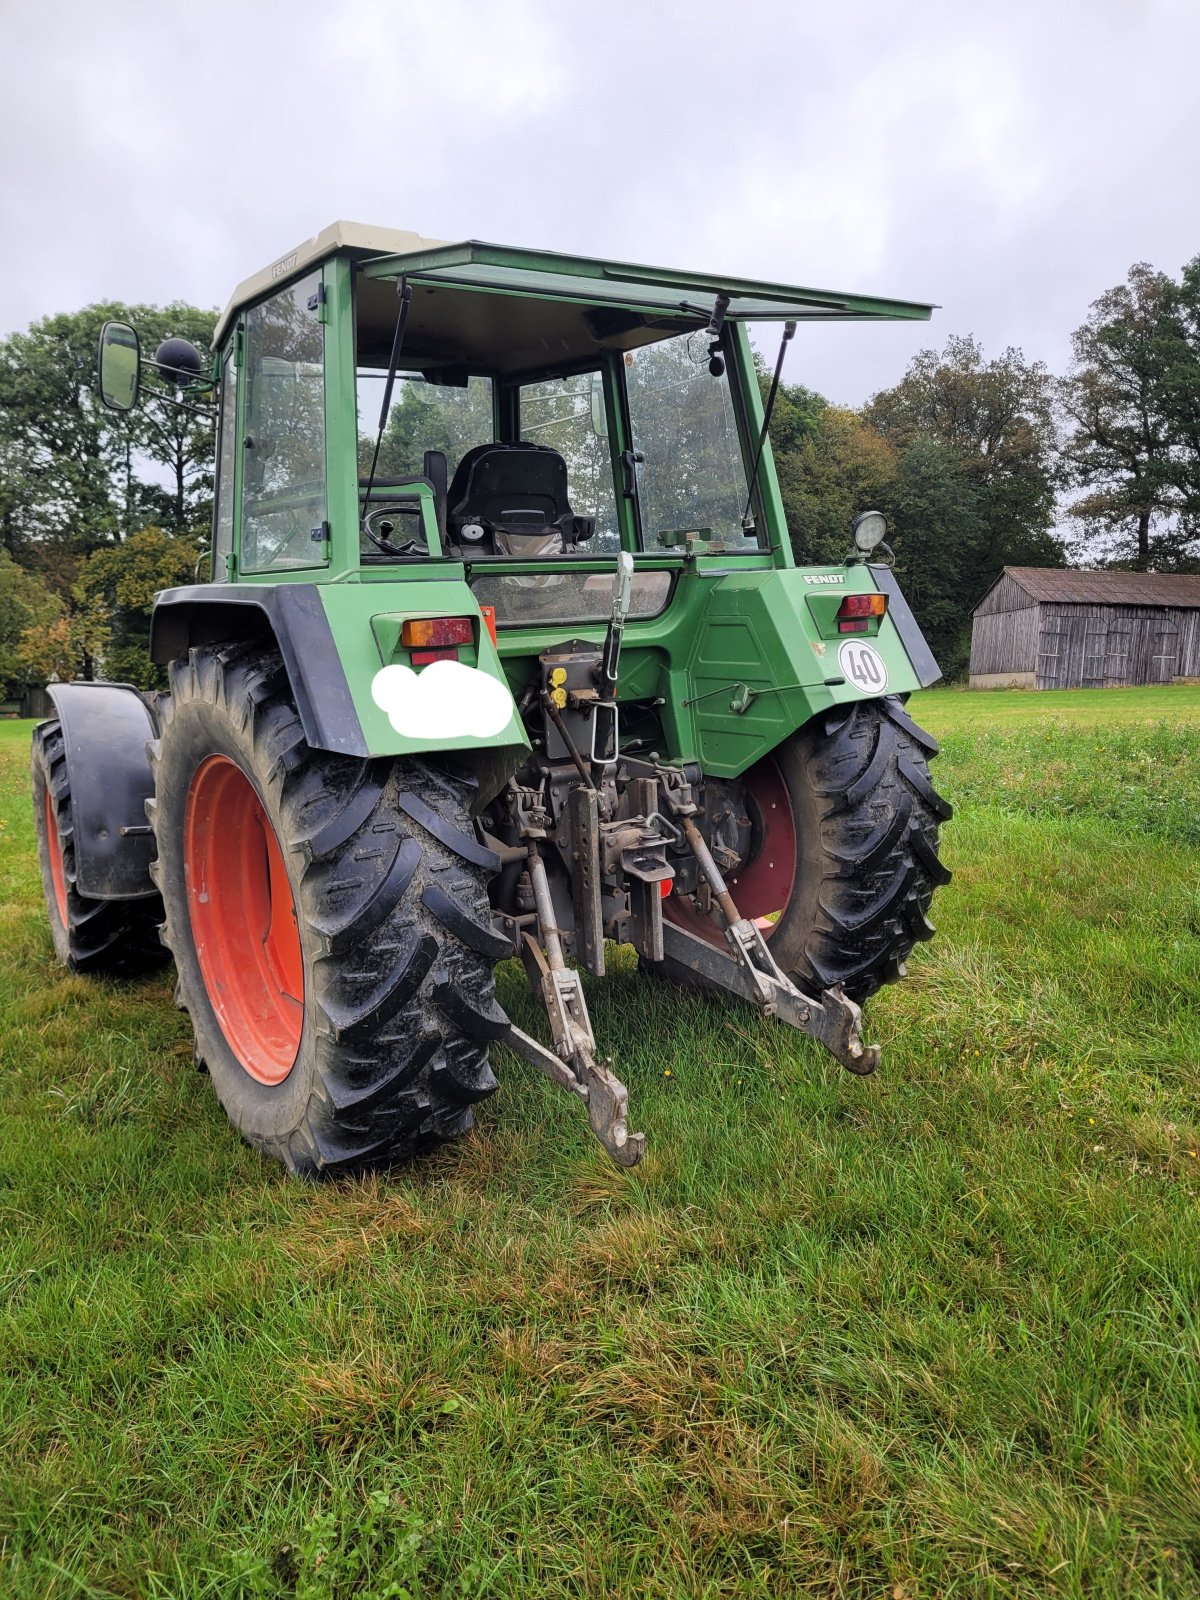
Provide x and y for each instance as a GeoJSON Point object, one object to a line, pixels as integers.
{"type": "Point", "coordinates": [868, 529]}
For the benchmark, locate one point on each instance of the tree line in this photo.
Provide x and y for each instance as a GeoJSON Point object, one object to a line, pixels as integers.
{"type": "Point", "coordinates": [977, 461]}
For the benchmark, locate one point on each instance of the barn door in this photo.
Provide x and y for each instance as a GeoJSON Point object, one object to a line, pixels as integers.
{"type": "Point", "coordinates": [1061, 651]}
{"type": "Point", "coordinates": [1155, 650]}
{"type": "Point", "coordinates": [1117, 659]}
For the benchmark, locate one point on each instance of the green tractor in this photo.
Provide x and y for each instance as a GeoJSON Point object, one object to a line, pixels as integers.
{"type": "Point", "coordinates": [502, 653]}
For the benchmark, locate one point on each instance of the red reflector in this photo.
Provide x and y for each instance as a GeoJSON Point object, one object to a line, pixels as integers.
{"type": "Point", "coordinates": [489, 620]}
{"type": "Point", "coordinates": [422, 658]}
{"type": "Point", "coordinates": [435, 632]}
{"type": "Point", "coordinates": [664, 887]}
{"type": "Point", "coordinates": [843, 627]}
{"type": "Point", "coordinates": [863, 605]}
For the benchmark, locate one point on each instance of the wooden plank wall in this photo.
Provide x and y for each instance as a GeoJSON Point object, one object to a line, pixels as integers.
{"type": "Point", "coordinates": [1095, 647]}
{"type": "Point", "coordinates": [1005, 595]}
{"type": "Point", "coordinates": [1005, 641]}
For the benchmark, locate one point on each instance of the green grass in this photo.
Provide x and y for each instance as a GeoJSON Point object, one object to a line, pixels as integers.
{"type": "Point", "coordinates": [935, 1333]}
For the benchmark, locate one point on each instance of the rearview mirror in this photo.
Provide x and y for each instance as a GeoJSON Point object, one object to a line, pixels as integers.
{"type": "Point", "coordinates": [120, 365]}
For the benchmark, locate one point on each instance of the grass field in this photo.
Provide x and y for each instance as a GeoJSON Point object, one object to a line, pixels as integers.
{"type": "Point", "coordinates": [935, 1333]}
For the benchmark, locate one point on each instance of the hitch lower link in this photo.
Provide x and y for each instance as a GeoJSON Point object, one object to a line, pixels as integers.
{"type": "Point", "coordinates": [749, 970]}
{"type": "Point", "coordinates": [573, 1064]}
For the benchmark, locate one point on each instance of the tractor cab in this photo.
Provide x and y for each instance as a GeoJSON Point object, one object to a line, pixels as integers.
{"type": "Point", "coordinates": [387, 402]}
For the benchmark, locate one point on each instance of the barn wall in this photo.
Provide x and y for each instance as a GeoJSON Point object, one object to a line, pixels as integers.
{"type": "Point", "coordinates": [1004, 647]}
{"type": "Point", "coordinates": [1004, 595]}
{"type": "Point", "coordinates": [1095, 647]}
{"type": "Point", "coordinates": [1189, 643]}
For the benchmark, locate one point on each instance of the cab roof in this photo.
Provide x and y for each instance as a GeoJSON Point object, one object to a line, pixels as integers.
{"type": "Point", "coordinates": [576, 303]}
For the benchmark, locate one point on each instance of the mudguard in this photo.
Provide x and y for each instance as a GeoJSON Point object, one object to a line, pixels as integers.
{"type": "Point", "coordinates": [106, 728]}
{"type": "Point", "coordinates": [292, 614]}
{"type": "Point", "coordinates": [334, 639]}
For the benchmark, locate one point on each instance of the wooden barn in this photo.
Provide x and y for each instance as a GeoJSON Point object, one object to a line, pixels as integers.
{"type": "Point", "coordinates": [1052, 628]}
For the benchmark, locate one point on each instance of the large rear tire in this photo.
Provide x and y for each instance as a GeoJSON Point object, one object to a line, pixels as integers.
{"type": "Point", "coordinates": [119, 937]}
{"type": "Point", "coordinates": [844, 858]}
{"type": "Point", "coordinates": [329, 920]}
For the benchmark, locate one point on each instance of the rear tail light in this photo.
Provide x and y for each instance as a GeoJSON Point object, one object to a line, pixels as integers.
{"type": "Point", "coordinates": [435, 633]}
{"type": "Point", "coordinates": [856, 610]}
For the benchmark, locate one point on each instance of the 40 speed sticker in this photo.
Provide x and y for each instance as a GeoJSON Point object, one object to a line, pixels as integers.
{"type": "Point", "coordinates": [863, 666]}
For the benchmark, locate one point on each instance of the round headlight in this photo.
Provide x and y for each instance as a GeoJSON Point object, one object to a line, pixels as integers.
{"type": "Point", "coordinates": [868, 529]}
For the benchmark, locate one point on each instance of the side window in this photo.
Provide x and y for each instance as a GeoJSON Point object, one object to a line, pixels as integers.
{"type": "Point", "coordinates": [569, 415]}
{"type": "Point", "coordinates": [283, 454]}
{"type": "Point", "coordinates": [226, 454]}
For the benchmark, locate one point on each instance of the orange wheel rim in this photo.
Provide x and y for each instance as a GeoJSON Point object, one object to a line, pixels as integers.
{"type": "Point", "coordinates": [243, 919]}
{"type": "Point", "coordinates": [54, 850]}
{"type": "Point", "coordinates": [762, 886]}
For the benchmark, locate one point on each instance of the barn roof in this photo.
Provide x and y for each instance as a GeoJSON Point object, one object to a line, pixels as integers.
{"type": "Point", "coordinates": [1069, 586]}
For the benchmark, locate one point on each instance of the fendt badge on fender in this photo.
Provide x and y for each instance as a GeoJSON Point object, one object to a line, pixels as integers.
{"type": "Point", "coordinates": [863, 666]}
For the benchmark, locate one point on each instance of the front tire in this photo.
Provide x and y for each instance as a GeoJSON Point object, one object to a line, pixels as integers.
{"type": "Point", "coordinates": [117, 937]}
{"type": "Point", "coordinates": [329, 921]}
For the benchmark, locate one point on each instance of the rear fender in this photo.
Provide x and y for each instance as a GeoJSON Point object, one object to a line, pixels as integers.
{"type": "Point", "coordinates": [334, 640]}
{"type": "Point", "coordinates": [767, 658]}
{"type": "Point", "coordinates": [106, 728]}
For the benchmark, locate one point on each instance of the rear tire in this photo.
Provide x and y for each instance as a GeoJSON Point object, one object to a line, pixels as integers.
{"type": "Point", "coordinates": [119, 937]}
{"type": "Point", "coordinates": [856, 836]}
{"type": "Point", "coordinates": [391, 946]}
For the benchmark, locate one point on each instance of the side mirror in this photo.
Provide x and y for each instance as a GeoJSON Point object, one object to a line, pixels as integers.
{"type": "Point", "coordinates": [599, 419]}
{"type": "Point", "coordinates": [120, 366]}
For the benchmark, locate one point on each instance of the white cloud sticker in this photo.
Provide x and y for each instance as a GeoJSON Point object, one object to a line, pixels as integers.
{"type": "Point", "coordinates": [446, 700]}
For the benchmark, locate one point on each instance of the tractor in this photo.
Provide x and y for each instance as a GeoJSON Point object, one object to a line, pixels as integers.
{"type": "Point", "coordinates": [501, 652]}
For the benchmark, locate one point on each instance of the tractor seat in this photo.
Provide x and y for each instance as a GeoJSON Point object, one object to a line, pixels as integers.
{"type": "Point", "coordinates": [511, 500]}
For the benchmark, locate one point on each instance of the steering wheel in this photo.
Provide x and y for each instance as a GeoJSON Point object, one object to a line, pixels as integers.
{"type": "Point", "coordinates": [382, 522]}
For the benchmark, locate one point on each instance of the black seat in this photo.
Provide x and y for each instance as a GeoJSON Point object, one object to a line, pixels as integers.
{"type": "Point", "coordinates": [512, 499]}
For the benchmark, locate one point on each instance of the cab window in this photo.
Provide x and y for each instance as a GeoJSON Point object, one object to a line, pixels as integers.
{"type": "Point", "coordinates": [569, 415]}
{"type": "Point", "coordinates": [283, 453]}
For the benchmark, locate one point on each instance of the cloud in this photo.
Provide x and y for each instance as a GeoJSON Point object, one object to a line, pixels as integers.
{"type": "Point", "coordinates": [445, 700]}
{"type": "Point", "coordinates": [1008, 162]}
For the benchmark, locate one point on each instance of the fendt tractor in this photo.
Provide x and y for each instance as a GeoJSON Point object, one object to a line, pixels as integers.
{"type": "Point", "coordinates": [501, 652]}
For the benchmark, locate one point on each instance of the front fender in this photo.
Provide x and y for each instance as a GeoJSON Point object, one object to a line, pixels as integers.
{"type": "Point", "coordinates": [106, 728]}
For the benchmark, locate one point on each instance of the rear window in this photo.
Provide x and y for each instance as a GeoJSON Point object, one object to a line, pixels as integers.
{"type": "Point", "coordinates": [525, 600]}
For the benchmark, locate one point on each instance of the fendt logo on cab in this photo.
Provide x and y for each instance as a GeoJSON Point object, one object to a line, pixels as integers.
{"type": "Point", "coordinates": [825, 577]}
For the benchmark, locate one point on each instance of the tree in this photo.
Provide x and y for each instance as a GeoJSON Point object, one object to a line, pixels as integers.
{"type": "Point", "coordinates": [73, 475]}
{"type": "Point", "coordinates": [937, 533]}
{"type": "Point", "coordinates": [114, 596]}
{"type": "Point", "coordinates": [1181, 390]}
{"type": "Point", "coordinates": [831, 466]}
{"type": "Point", "coordinates": [1127, 401]}
{"type": "Point", "coordinates": [998, 418]}
{"type": "Point", "coordinates": [27, 608]}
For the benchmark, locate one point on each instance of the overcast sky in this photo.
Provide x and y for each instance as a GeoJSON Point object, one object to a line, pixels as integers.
{"type": "Point", "coordinates": [1008, 161]}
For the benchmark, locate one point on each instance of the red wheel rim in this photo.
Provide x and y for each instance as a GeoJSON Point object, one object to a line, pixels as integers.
{"type": "Point", "coordinates": [243, 920]}
{"type": "Point", "coordinates": [762, 886]}
{"type": "Point", "coordinates": [54, 850]}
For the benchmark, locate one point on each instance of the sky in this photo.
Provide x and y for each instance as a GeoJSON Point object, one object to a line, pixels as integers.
{"type": "Point", "coordinates": [1007, 161]}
